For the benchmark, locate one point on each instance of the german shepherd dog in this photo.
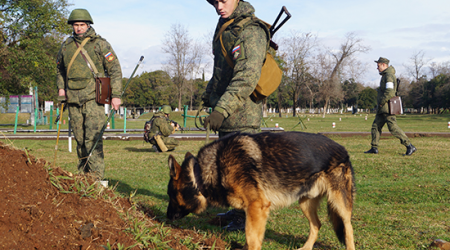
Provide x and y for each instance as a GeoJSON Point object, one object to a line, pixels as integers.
{"type": "Point", "coordinates": [260, 172]}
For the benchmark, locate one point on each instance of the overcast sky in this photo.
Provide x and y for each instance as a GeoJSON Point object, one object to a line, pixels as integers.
{"type": "Point", "coordinates": [395, 29]}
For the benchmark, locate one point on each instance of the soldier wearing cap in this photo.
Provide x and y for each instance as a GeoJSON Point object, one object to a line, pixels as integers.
{"type": "Point", "coordinates": [387, 89]}
{"type": "Point", "coordinates": [228, 92]}
{"type": "Point", "coordinates": [76, 86]}
{"type": "Point", "coordinates": [243, 44]}
{"type": "Point", "coordinates": [163, 126]}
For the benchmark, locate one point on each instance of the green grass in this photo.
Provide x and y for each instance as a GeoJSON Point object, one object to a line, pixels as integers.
{"type": "Point", "coordinates": [401, 203]}
{"type": "Point", "coordinates": [314, 123]}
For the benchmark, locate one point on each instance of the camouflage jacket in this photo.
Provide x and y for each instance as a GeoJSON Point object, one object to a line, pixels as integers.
{"type": "Point", "coordinates": [229, 89]}
{"type": "Point", "coordinates": [161, 124]}
{"type": "Point", "coordinates": [80, 85]}
{"type": "Point", "coordinates": [387, 89]}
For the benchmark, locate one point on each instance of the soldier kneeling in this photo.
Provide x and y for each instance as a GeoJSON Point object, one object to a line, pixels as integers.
{"type": "Point", "coordinates": [158, 129]}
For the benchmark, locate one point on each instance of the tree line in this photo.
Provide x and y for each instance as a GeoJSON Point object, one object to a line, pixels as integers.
{"type": "Point", "coordinates": [315, 76]}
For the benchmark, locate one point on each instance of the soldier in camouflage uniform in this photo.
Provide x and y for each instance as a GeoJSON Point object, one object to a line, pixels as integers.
{"type": "Point", "coordinates": [77, 88]}
{"type": "Point", "coordinates": [164, 127]}
{"type": "Point", "coordinates": [228, 92]}
{"type": "Point", "coordinates": [387, 90]}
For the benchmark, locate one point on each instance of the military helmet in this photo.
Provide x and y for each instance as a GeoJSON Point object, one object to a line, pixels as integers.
{"type": "Point", "coordinates": [79, 15]}
{"type": "Point", "coordinates": [166, 109]}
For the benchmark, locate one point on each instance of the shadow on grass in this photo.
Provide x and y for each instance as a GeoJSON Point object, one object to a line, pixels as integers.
{"type": "Point", "coordinates": [139, 150]}
{"type": "Point", "coordinates": [125, 190]}
{"type": "Point", "coordinates": [208, 221]}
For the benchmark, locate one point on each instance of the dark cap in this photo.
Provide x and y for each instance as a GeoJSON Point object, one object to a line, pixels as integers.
{"type": "Point", "coordinates": [383, 60]}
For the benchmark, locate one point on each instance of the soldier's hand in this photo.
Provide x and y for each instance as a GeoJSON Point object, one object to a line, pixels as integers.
{"type": "Point", "coordinates": [215, 120]}
{"type": "Point", "coordinates": [62, 96]}
{"type": "Point", "coordinates": [115, 103]}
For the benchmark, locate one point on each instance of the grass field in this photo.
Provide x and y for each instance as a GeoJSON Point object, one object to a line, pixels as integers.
{"type": "Point", "coordinates": [314, 123]}
{"type": "Point", "coordinates": [401, 203]}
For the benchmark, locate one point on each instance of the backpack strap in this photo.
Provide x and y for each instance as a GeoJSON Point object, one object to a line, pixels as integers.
{"type": "Point", "coordinates": [88, 61]}
{"type": "Point", "coordinates": [243, 23]}
{"type": "Point", "coordinates": [219, 36]}
{"type": "Point", "coordinates": [75, 55]}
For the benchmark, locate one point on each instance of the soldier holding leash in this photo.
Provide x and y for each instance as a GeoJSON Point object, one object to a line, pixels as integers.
{"type": "Point", "coordinates": [228, 92]}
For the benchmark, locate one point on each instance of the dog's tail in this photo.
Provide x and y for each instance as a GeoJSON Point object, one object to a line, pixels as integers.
{"type": "Point", "coordinates": [340, 200]}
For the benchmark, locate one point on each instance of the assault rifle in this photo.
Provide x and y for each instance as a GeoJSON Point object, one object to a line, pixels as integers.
{"type": "Point", "coordinates": [176, 125]}
{"type": "Point", "coordinates": [275, 28]}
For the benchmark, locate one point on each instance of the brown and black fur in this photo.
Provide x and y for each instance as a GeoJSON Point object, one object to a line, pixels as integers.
{"type": "Point", "coordinates": [260, 172]}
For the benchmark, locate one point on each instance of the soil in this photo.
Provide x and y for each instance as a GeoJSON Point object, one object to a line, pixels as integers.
{"type": "Point", "coordinates": [34, 214]}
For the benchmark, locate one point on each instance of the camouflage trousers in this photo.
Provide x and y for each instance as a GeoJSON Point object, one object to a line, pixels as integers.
{"type": "Point", "coordinates": [391, 121]}
{"type": "Point", "coordinates": [170, 143]}
{"type": "Point", "coordinates": [87, 121]}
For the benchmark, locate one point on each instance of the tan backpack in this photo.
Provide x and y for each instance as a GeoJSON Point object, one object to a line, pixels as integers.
{"type": "Point", "coordinates": [271, 73]}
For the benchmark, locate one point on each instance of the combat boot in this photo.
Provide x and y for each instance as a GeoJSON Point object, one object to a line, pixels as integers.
{"type": "Point", "coordinates": [410, 149]}
{"type": "Point", "coordinates": [237, 218]}
{"type": "Point", "coordinates": [372, 151]}
{"type": "Point", "coordinates": [155, 149]}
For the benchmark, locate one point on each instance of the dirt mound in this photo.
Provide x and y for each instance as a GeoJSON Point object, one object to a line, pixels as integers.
{"type": "Point", "coordinates": [35, 214]}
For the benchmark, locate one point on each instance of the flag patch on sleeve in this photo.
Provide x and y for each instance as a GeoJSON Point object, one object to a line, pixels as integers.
{"type": "Point", "coordinates": [236, 52]}
{"type": "Point", "coordinates": [109, 56]}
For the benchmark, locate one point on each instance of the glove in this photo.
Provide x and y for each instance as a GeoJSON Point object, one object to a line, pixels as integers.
{"type": "Point", "coordinates": [215, 120]}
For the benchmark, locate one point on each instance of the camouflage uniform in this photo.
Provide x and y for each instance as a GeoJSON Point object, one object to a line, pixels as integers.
{"type": "Point", "coordinates": [387, 89]}
{"type": "Point", "coordinates": [162, 124]}
{"type": "Point", "coordinates": [229, 89]}
{"type": "Point", "coordinates": [87, 117]}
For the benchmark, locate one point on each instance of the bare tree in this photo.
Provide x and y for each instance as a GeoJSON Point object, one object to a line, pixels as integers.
{"type": "Point", "coordinates": [417, 64]}
{"type": "Point", "coordinates": [340, 58]}
{"type": "Point", "coordinates": [184, 59]}
{"type": "Point", "coordinates": [323, 66]}
{"type": "Point", "coordinates": [439, 68]}
{"type": "Point", "coordinates": [297, 50]}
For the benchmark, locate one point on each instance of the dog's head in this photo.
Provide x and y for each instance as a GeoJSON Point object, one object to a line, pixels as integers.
{"type": "Point", "coordinates": [184, 188]}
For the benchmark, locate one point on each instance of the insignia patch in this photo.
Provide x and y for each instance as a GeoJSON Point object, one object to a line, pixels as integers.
{"type": "Point", "coordinates": [236, 52]}
{"type": "Point", "coordinates": [109, 56]}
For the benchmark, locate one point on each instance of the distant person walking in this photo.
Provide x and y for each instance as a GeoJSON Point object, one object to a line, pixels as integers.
{"type": "Point", "coordinates": [79, 55]}
{"type": "Point", "coordinates": [388, 86]}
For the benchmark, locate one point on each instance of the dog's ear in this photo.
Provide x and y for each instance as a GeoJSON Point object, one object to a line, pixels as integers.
{"type": "Point", "coordinates": [175, 168]}
{"type": "Point", "coordinates": [188, 155]}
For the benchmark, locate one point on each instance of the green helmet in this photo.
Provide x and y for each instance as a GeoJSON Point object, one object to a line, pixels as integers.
{"type": "Point", "coordinates": [166, 109]}
{"type": "Point", "coordinates": [79, 15]}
